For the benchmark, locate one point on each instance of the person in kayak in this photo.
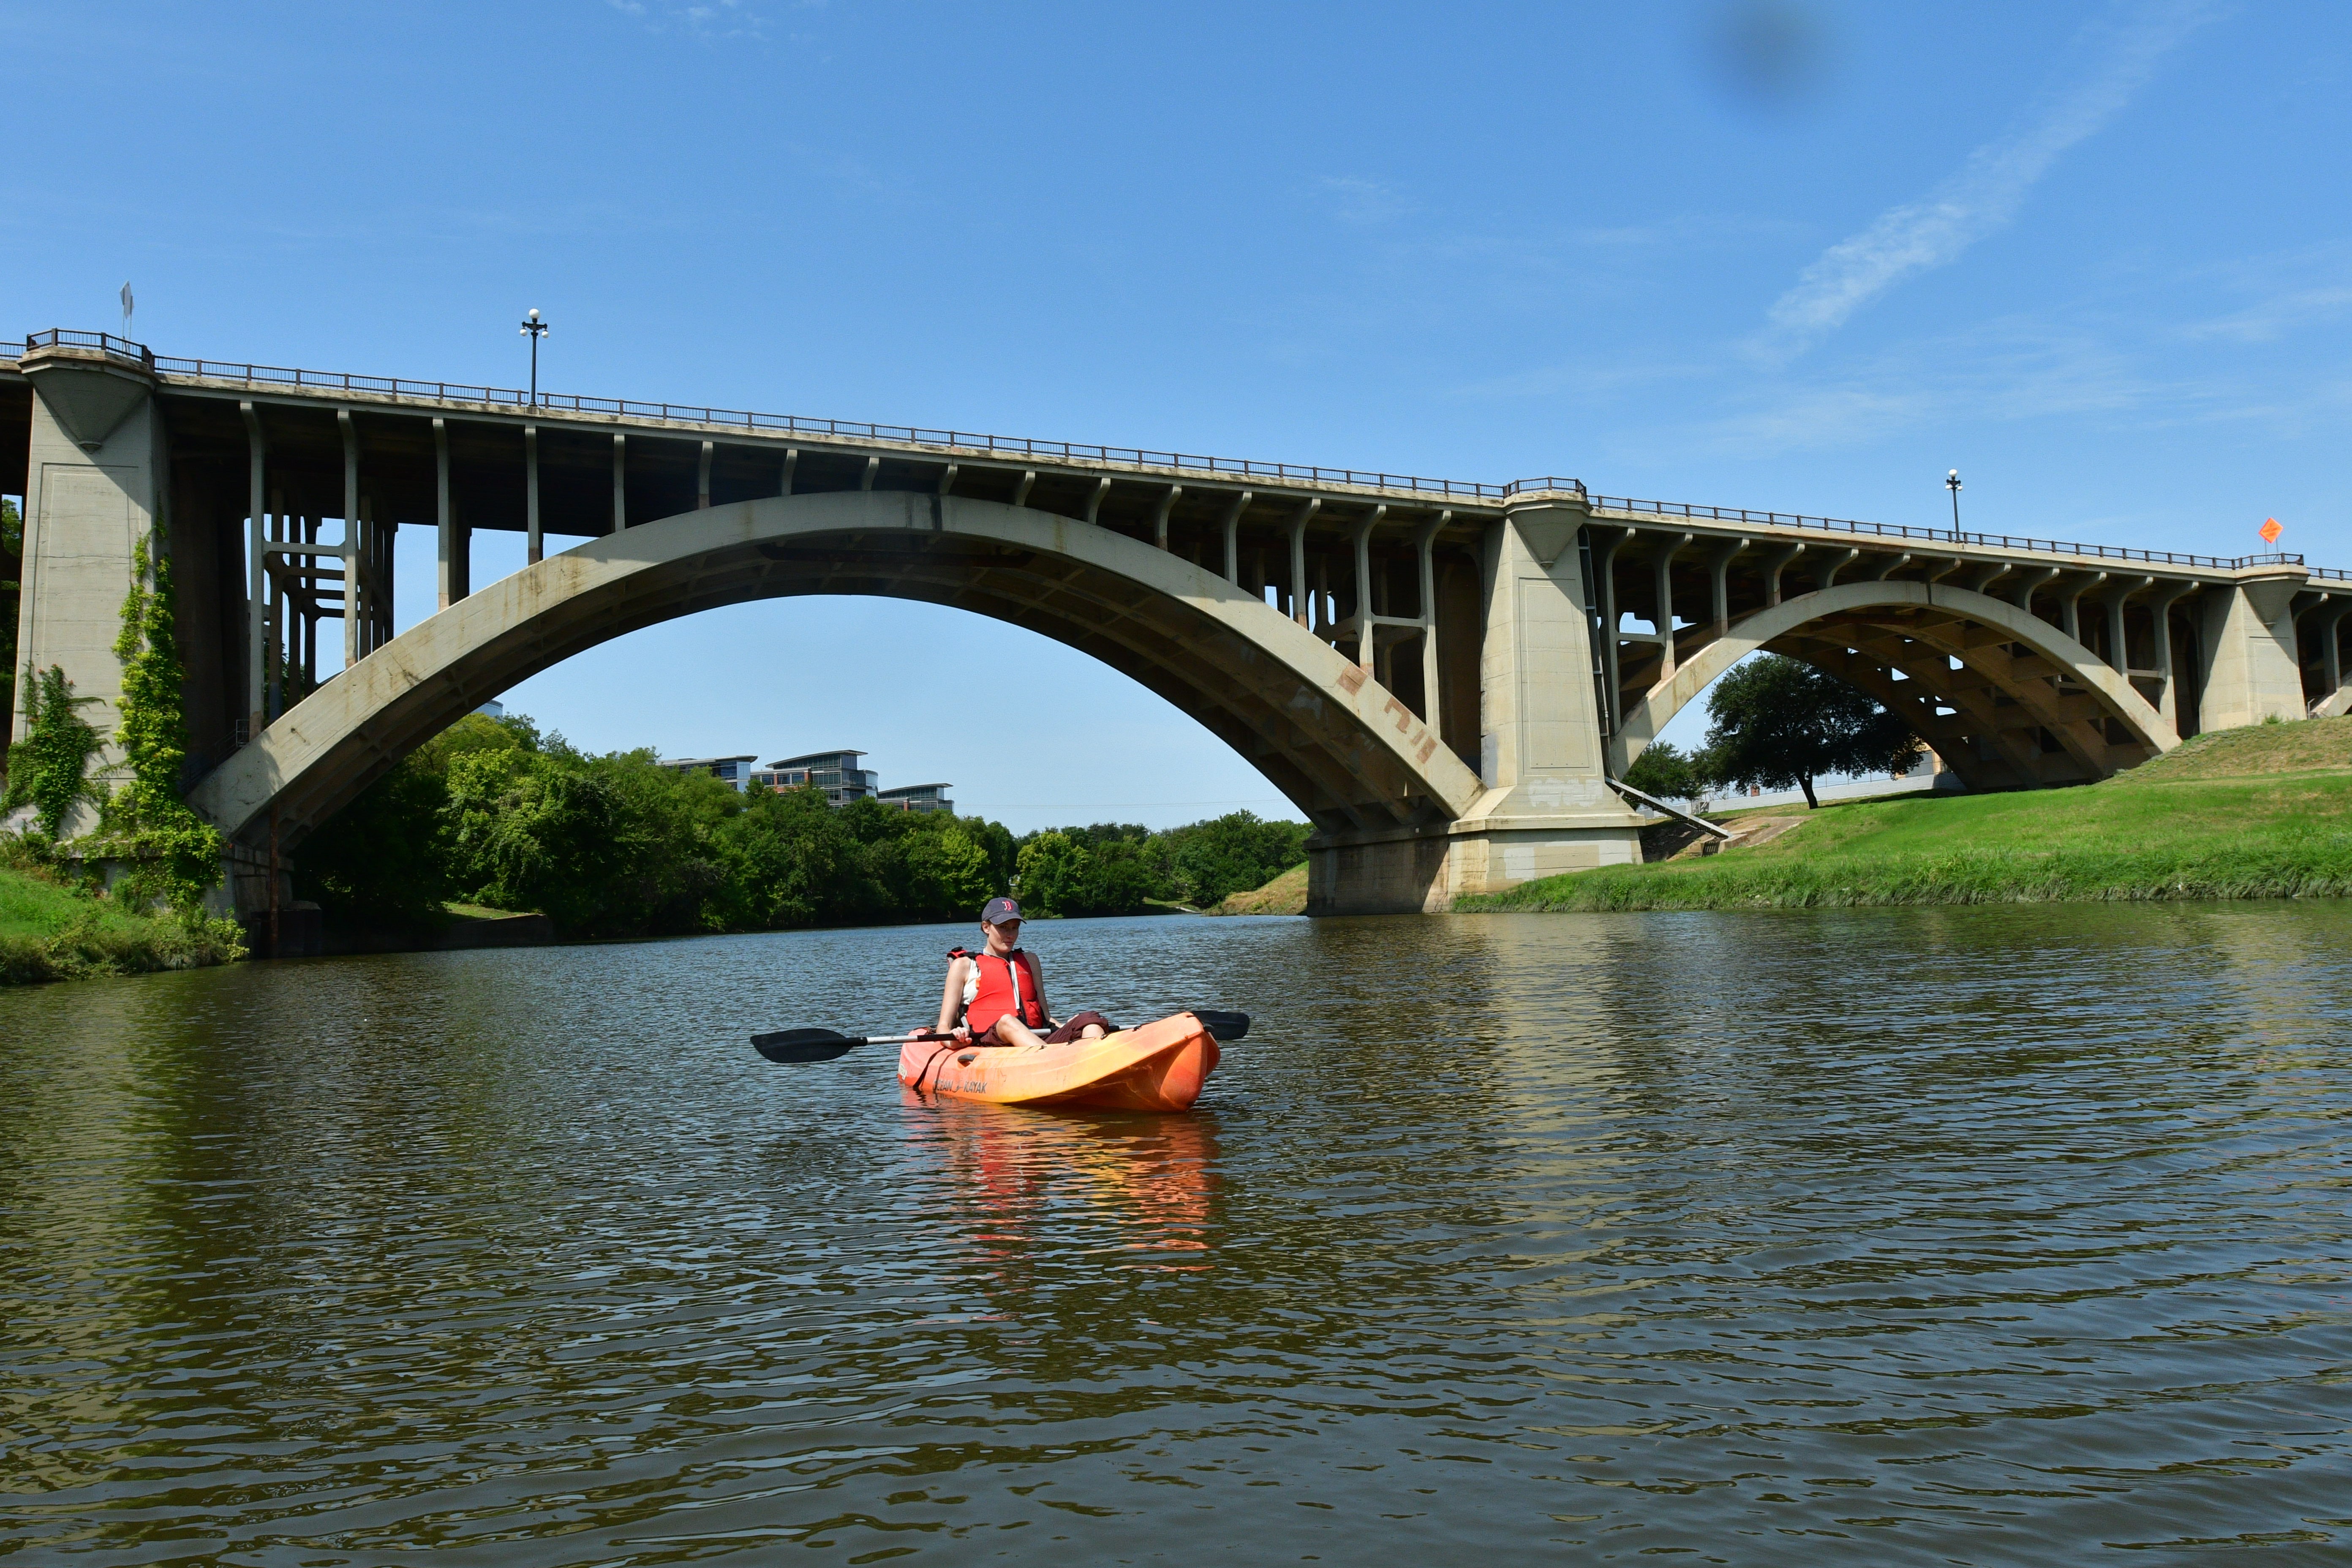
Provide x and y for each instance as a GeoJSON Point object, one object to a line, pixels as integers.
{"type": "Point", "coordinates": [998, 994]}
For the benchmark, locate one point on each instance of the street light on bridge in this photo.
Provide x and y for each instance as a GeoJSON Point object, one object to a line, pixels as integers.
{"type": "Point", "coordinates": [1952, 483]}
{"type": "Point", "coordinates": [534, 329]}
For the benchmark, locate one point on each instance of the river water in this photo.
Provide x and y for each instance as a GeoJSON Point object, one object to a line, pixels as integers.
{"type": "Point", "coordinates": [1976, 1236]}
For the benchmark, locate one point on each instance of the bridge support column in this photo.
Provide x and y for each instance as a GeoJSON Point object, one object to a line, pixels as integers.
{"type": "Point", "coordinates": [457, 538]}
{"type": "Point", "coordinates": [96, 485]}
{"type": "Point", "coordinates": [1548, 808]}
{"type": "Point", "coordinates": [2334, 698]}
{"type": "Point", "coordinates": [534, 539]}
{"type": "Point", "coordinates": [2252, 670]}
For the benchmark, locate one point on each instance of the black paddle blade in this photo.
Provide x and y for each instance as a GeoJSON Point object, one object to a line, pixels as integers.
{"type": "Point", "coordinates": [1226, 1026]}
{"type": "Point", "coordinates": [806, 1045]}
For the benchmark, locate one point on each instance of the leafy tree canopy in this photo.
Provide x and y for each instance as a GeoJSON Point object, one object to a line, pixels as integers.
{"type": "Point", "coordinates": [496, 811]}
{"type": "Point", "coordinates": [1778, 723]}
{"type": "Point", "coordinates": [1665, 771]}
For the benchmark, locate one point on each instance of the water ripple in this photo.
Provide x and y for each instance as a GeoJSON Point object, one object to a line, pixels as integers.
{"type": "Point", "coordinates": [1990, 1235]}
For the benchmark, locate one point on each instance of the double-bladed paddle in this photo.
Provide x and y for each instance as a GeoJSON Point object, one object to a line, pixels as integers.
{"type": "Point", "coordinates": [824, 1045]}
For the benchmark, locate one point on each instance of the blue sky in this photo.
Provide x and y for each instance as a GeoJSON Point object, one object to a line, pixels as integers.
{"type": "Point", "coordinates": [1788, 254]}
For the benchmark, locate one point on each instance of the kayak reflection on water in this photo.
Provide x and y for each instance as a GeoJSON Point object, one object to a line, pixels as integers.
{"type": "Point", "coordinates": [1029, 1185]}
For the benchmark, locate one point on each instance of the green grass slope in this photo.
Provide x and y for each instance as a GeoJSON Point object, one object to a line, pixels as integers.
{"type": "Point", "coordinates": [1286, 895]}
{"type": "Point", "coordinates": [51, 933]}
{"type": "Point", "coordinates": [2264, 812]}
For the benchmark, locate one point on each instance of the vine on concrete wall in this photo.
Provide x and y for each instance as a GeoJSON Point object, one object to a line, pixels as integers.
{"type": "Point", "coordinates": [173, 856]}
{"type": "Point", "coordinates": [49, 768]}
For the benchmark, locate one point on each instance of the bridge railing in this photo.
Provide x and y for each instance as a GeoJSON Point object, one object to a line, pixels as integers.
{"type": "Point", "coordinates": [1942, 535]}
{"type": "Point", "coordinates": [523, 402]}
{"type": "Point", "coordinates": [65, 337]}
{"type": "Point", "coordinates": [1024, 446]}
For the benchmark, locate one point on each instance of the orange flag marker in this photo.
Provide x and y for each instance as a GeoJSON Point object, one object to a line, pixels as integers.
{"type": "Point", "coordinates": [2269, 530]}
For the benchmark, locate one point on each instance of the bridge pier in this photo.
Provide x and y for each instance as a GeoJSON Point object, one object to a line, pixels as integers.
{"type": "Point", "coordinates": [1546, 808]}
{"type": "Point", "coordinates": [96, 480]}
{"type": "Point", "coordinates": [2253, 671]}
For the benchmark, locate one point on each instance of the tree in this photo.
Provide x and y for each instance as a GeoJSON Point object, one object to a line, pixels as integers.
{"type": "Point", "coordinates": [1663, 771]}
{"type": "Point", "coordinates": [674, 820]}
{"type": "Point", "coordinates": [790, 859]}
{"type": "Point", "coordinates": [385, 861]}
{"type": "Point", "coordinates": [1052, 872]}
{"type": "Point", "coordinates": [1780, 721]}
{"type": "Point", "coordinates": [1209, 860]}
{"type": "Point", "coordinates": [946, 869]}
{"type": "Point", "coordinates": [382, 861]}
{"type": "Point", "coordinates": [1118, 877]}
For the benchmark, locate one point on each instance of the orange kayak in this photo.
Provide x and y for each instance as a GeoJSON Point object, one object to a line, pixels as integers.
{"type": "Point", "coordinates": [1159, 1066]}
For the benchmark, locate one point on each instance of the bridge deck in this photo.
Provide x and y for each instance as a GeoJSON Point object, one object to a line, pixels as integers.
{"type": "Point", "coordinates": [675, 456]}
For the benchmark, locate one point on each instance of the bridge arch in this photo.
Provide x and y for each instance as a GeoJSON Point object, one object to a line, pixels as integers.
{"type": "Point", "coordinates": [2027, 704]}
{"type": "Point", "coordinates": [1350, 754]}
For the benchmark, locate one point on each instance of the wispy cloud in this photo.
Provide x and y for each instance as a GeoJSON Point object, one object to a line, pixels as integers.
{"type": "Point", "coordinates": [2020, 369]}
{"type": "Point", "coordinates": [2269, 321]}
{"type": "Point", "coordinates": [2289, 290]}
{"type": "Point", "coordinates": [1981, 197]}
{"type": "Point", "coordinates": [1684, 232]}
{"type": "Point", "coordinates": [2039, 369]}
{"type": "Point", "coordinates": [1361, 201]}
{"type": "Point", "coordinates": [1585, 381]}
{"type": "Point", "coordinates": [704, 18]}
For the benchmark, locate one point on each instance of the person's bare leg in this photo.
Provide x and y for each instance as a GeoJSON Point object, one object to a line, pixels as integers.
{"type": "Point", "coordinates": [1091, 1032]}
{"type": "Point", "coordinates": [1012, 1031]}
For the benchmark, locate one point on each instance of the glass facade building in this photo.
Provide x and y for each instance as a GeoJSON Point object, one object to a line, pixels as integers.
{"type": "Point", "coordinates": [836, 773]}
{"type": "Point", "coordinates": [917, 797]}
{"type": "Point", "coordinates": [734, 771]}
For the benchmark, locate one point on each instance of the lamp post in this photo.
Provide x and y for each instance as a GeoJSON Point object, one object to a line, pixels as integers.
{"type": "Point", "coordinates": [534, 329]}
{"type": "Point", "coordinates": [1952, 483]}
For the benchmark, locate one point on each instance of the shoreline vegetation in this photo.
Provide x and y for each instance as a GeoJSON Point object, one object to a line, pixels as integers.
{"type": "Point", "coordinates": [497, 833]}
{"type": "Point", "coordinates": [2263, 812]}
{"type": "Point", "coordinates": [494, 812]}
{"type": "Point", "coordinates": [1286, 895]}
{"type": "Point", "coordinates": [50, 930]}
{"type": "Point", "coordinates": [128, 896]}
{"type": "Point", "coordinates": [2256, 813]}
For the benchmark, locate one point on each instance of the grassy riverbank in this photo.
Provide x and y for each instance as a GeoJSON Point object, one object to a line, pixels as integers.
{"type": "Point", "coordinates": [2264, 812]}
{"type": "Point", "coordinates": [1286, 895]}
{"type": "Point", "coordinates": [51, 933]}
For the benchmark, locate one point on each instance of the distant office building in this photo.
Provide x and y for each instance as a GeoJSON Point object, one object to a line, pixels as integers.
{"type": "Point", "coordinates": [836, 773]}
{"type": "Point", "coordinates": [917, 797]}
{"type": "Point", "coordinates": [734, 770]}
{"type": "Point", "coordinates": [493, 708]}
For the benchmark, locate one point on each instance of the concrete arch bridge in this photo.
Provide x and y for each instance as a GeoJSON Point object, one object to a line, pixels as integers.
{"type": "Point", "coordinates": [2022, 662]}
{"type": "Point", "coordinates": [1443, 675]}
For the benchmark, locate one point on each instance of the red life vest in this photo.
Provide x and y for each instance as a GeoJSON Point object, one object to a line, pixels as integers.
{"type": "Point", "coordinates": [995, 989]}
